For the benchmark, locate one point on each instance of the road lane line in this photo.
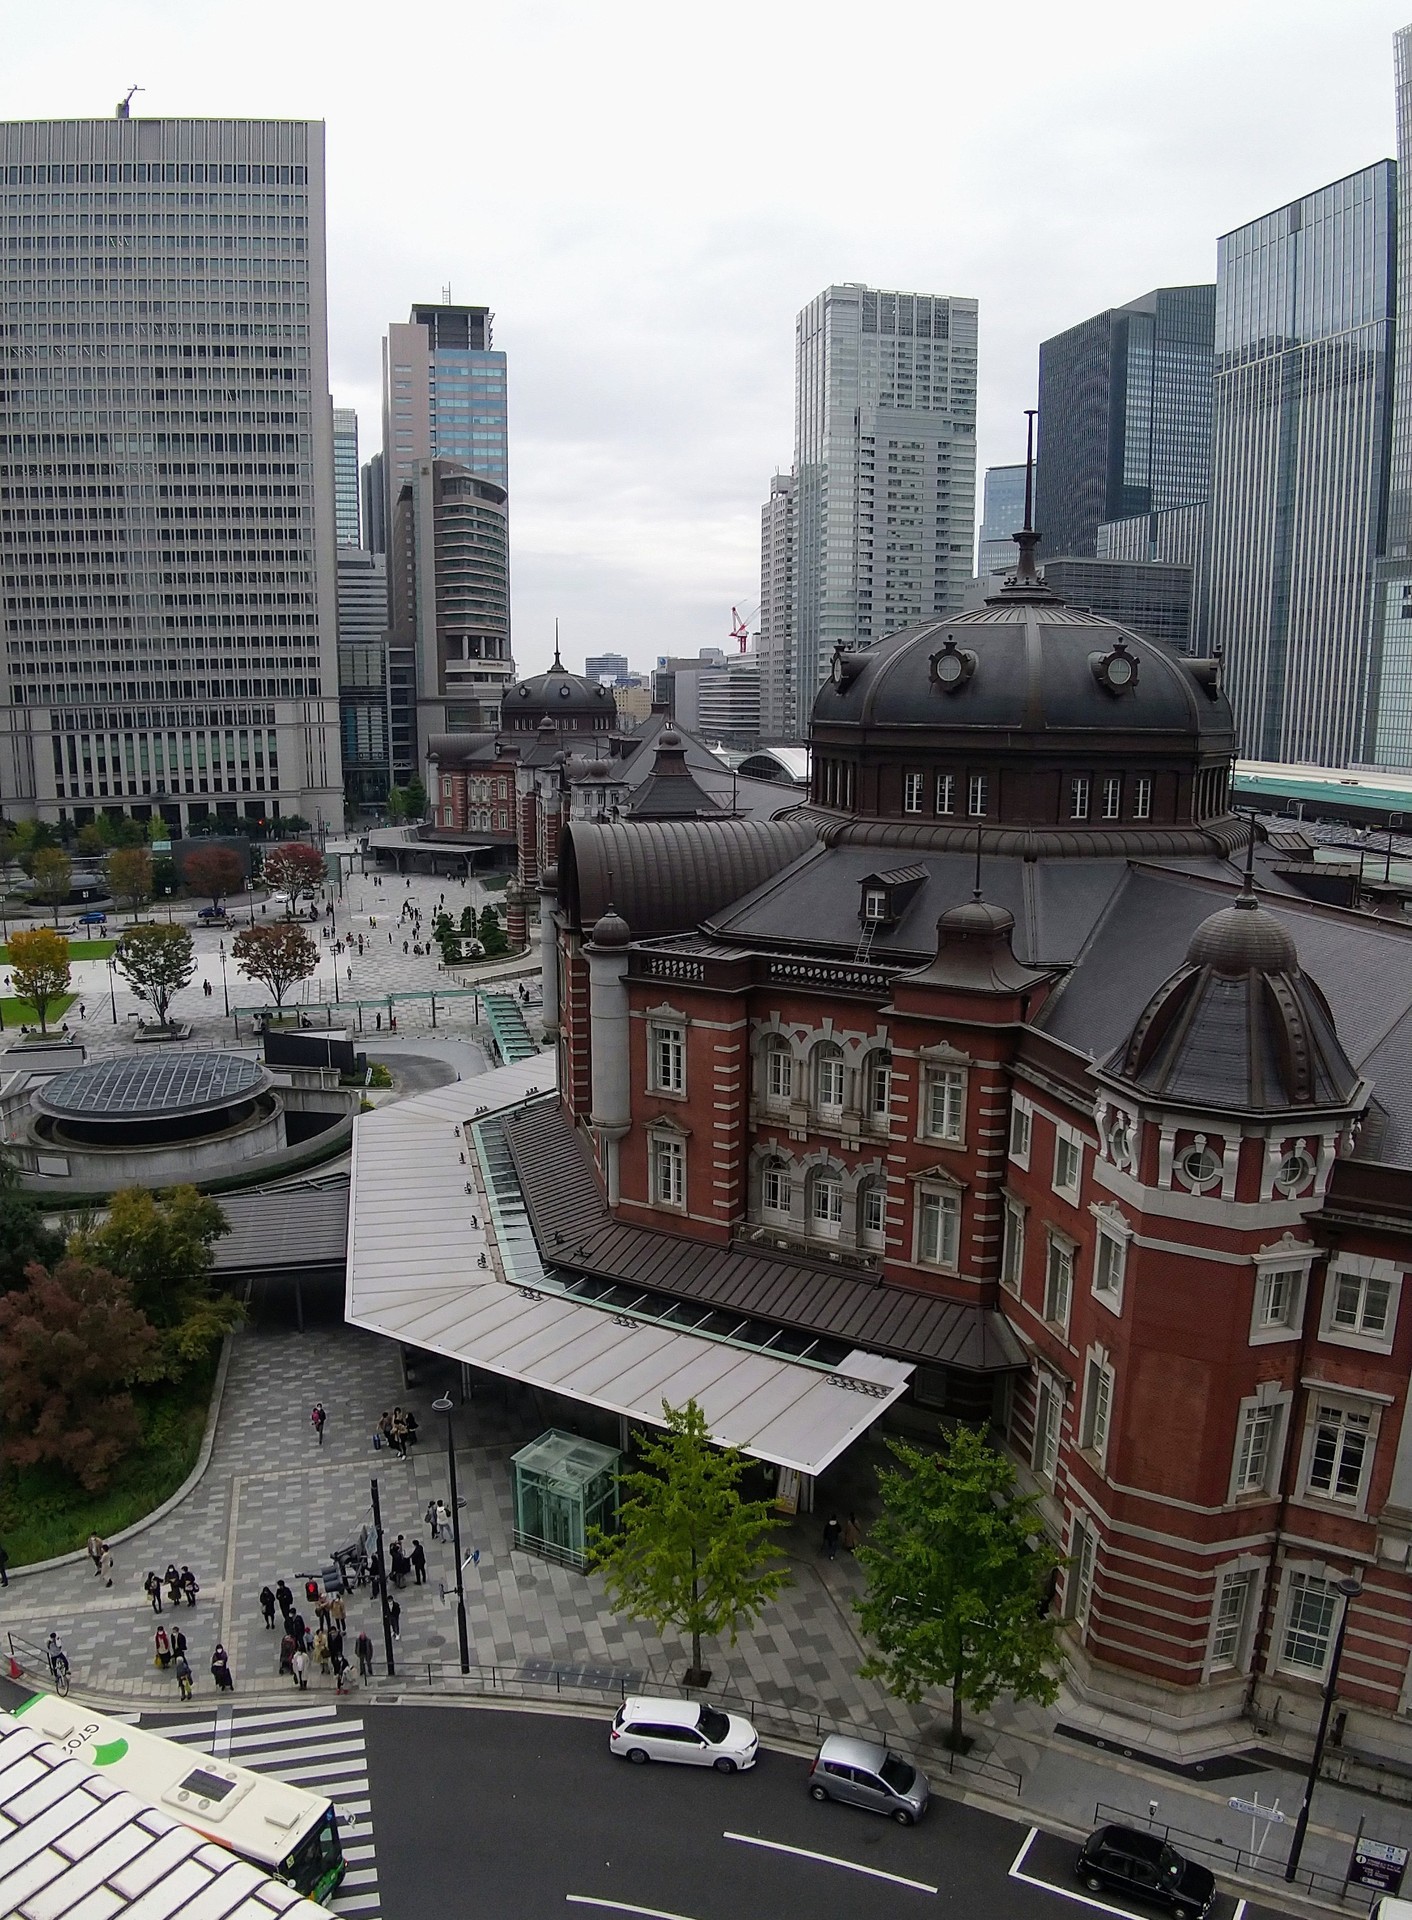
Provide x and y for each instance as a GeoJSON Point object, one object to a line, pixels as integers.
{"type": "Point", "coordinates": [621, 1906]}
{"type": "Point", "coordinates": [831, 1860]}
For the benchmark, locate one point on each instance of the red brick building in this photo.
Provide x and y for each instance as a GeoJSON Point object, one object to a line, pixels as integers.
{"type": "Point", "coordinates": [1009, 1016]}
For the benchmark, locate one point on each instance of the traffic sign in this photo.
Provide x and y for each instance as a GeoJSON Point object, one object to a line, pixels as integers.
{"type": "Point", "coordinates": [1256, 1811]}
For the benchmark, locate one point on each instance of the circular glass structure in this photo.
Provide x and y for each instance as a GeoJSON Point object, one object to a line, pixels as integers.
{"type": "Point", "coordinates": [174, 1096]}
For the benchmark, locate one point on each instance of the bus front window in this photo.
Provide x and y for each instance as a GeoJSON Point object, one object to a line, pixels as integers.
{"type": "Point", "coordinates": [315, 1867]}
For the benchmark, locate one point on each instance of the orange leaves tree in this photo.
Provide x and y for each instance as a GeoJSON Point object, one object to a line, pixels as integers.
{"type": "Point", "coordinates": [277, 957]}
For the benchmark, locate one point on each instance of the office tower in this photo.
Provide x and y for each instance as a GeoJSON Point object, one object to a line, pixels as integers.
{"type": "Point", "coordinates": [374, 505]}
{"type": "Point", "coordinates": [449, 592]}
{"type": "Point", "coordinates": [1124, 416]}
{"type": "Point", "coordinates": [1304, 323]}
{"type": "Point", "coordinates": [774, 644]}
{"type": "Point", "coordinates": [885, 468]}
{"type": "Point", "coordinates": [345, 475]}
{"type": "Point", "coordinates": [716, 696]}
{"type": "Point", "coordinates": [1002, 516]}
{"type": "Point", "coordinates": [607, 666]}
{"type": "Point", "coordinates": [1390, 743]}
{"type": "Point", "coordinates": [1155, 599]}
{"type": "Point", "coordinates": [363, 685]}
{"type": "Point", "coordinates": [443, 396]}
{"type": "Point", "coordinates": [166, 472]}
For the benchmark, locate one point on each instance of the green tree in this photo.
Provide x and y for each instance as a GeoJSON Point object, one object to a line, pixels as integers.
{"type": "Point", "coordinates": [71, 1345]}
{"type": "Point", "coordinates": [129, 871]}
{"type": "Point", "coordinates": [53, 876]}
{"type": "Point", "coordinates": [28, 839]}
{"type": "Point", "coordinates": [291, 869]}
{"type": "Point", "coordinates": [39, 968]}
{"type": "Point", "coordinates": [689, 1552]}
{"type": "Point", "coordinates": [162, 1244]}
{"type": "Point", "coordinates": [24, 1237]}
{"type": "Point", "coordinates": [277, 957]}
{"type": "Point", "coordinates": [414, 796]}
{"type": "Point", "coordinates": [957, 1569]}
{"type": "Point", "coordinates": [158, 961]}
{"type": "Point", "coordinates": [90, 840]}
{"type": "Point", "coordinates": [491, 934]}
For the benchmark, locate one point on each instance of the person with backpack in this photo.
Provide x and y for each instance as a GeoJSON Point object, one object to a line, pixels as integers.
{"type": "Point", "coordinates": [152, 1587]}
{"type": "Point", "coordinates": [317, 1419]}
{"type": "Point", "coordinates": [183, 1674]}
{"type": "Point", "coordinates": [189, 1586]}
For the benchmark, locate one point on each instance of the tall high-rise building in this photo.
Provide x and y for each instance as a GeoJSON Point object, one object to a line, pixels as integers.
{"type": "Point", "coordinates": [1002, 516]}
{"type": "Point", "coordinates": [346, 482]}
{"type": "Point", "coordinates": [1391, 728]}
{"type": "Point", "coordinates": [607, 666]}
{"type": "Point", "coordinates": [374, 505]}
{"type": "Point", "coordinates": [443, 397]}
{"type": "Point", "coordinates": [884, 468]}
{"type": "Point", "coordinates": [1124, 416]}
{"type": "Point", "coordinates": [363, 683]}
{"type": "Point", "coordinates": [1304, 340]}
{"type": "Point", "coordinates": [774, 643]}
{"type": "Point", "coordinates": [167, 567]}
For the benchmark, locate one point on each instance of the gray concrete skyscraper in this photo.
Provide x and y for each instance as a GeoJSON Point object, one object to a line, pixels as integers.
{"type": "Point", "coordinates": [443, 397]}
{"type": "Point", "coordinates": [774, 643]}
{"type": "Point", "coordinates": [1391, 725]}
{"type": "Point", "coordinates": [346, 479]}
{"type": "Point", "coordinates": [166, 470]}
{"type": "Point", "coordinates": [884, 469]}
{"type": "Point", "coordinates": [1304, 341]}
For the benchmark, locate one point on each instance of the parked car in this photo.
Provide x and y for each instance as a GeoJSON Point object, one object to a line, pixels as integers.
{"type": "Point", "coordinates": [211, 913]}
{"type": "Point", "coordinates": [93, 919]}
{"type": "Point", "coordinates": [687, 1731]}
{"type": "Point", "coordinates": [1143, 1864]}
{"type": "Point", "coordinates": [864, 1773]}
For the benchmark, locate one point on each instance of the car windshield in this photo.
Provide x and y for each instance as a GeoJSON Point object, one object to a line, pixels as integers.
{"type": "Point", "coordinates": [897, 1774]}
{"type": "Point", "coordinates": [1173, 1866]}
{"type": "Point", "coordinates": [714, 1724]}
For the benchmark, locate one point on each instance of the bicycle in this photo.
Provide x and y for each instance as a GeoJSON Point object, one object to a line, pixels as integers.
{"type": "Point", "coordinates": [59, 1668]}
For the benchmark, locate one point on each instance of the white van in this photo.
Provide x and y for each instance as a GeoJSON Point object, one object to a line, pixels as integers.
{"type": "Point", "coordinates": [1390, 1907]}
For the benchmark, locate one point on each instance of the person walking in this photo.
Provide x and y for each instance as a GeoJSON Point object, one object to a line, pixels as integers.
{"type": "Point", "coordinates": [161, 1649]}
{"type": "Point", "coordinates": [419, 1562]}
{"type": "Point", "coordinates": [105, 1567]}
{"type": "Point", "coordinates": [284, 1597]}
{"type": "Point", "coordinates": [337, 1613]}
{"type": "Point", "coordinates": [287, 1651]}
{"type": "Point", "coordinates": [96, 1551]}
{"type": "Point", "coordinates": [832, 1530]}
{"type": "Point", "coordinates": [152, 1587]}
{"type": "Point", "coordinates": [321, 1650]}
{"type": "Point", "coordinates": [267, 1605]}
{"type": "Point", "coordinates": [363, 1647]}
{"type": "Point", "coordinates": [394, 1612]}
{"type": "Point", "coordinates": [183, 1676]}
{"type": "Point", "coordinates": [430, 1516]}
{"type": "Point", "coordinates": [220, 1670]}
{"type": "Point", "coordinates": [852, 1534]}
{"type": "Point", "coordinates": [301, 1632]}
{"type": "Point", "coordinates": [178, 1643]}
{"type": "Point", "coordinates": [299, 1667]}
{"type": "Point", "coordinates": [171, 1580]}
{"type": "Point", "coordinates": [443, 1519]}
{"type": "Point", "coordinates": [317, 1419]}
{"type": "Point", "coordinates": [189, 1586]}
{"type": "Point", "coordinates": [4, 1566]}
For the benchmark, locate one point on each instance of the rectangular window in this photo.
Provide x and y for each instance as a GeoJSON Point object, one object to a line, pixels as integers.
{"type": "Point", "coordinates": [1049, 1407]}
{"type": "Point", "coordinates": [668, 1059]}
{"type": "Point", "coordinates": [977, 796]}
{"type": "Point", "coordinates": [668, 1172]}
{"type": "Point", "coordinates": [1012, 1253]}
{"type": "Point", "coordinates": [1067, 1165]}
{"type": "Point", "coordinates": [873, 1211]}
{"type": "Point", "coordinates": [774, 1190]}
{"type": "Point", "coordinates": [1339, 1454]}
{"type": "Point", "coordinates": [1113, 797]}
{"type": "Point", "coordinates": [1360, 1303]}
{"type": "Point", "coordinates": [779, 1076]}
{"type": "Point", "coordinates": [875, 904]}
{"type": "Point", "coordinates": [827, 1206]}
{"type": "Point", "coordinates": [1058, 1282]}
{"type": "Point", "coordinates": [1142, 797]}
{"type": "Point", "coordinates": [1078, 797]}
{"type": "Point", "coordinates": [880, 1087]}
{"type": "Point", "coordinates": [946, 793]}
{"type": "Point", "coordinates": [1109, 1258]}
{"type": "Point", "coordinates": [1255, 1449]}
{"type": "Point", "coordinates": [940, 1228]}
{"type": "Point", "coordinates": [912, 793]}
{"type": "Point", "coordinates": [1020, 1119]}
{"type": "Point", "coordinates": [1228, 1627]}
{"type": "Point", "coordinates": [830, 1083]}
{"type": "Point", "coordinates": [946, 1104]}
{"type": "Point", "coordinates": [1098, 1405]}
{"type": "Point", "coordinates": [1277, 1290]}
{"type": "Point", "coordinates": [1082, 1550]}
{"type": "Point", "coordinates": [1308, 1622]}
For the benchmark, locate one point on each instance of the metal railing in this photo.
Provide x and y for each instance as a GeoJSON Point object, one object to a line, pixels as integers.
{"type": "Point", "coordinates": [1235, 1861]}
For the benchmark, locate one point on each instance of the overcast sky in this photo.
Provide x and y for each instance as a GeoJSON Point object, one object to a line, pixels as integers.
{"type": "Point", "coordinates": [647, 194]}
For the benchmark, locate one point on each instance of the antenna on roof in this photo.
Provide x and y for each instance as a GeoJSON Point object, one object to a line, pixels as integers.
{"type": "Point", "coordinates": [976, 891]}
{"type": "Point", "coordinates": [558, 663]}
{"type": "Point", "coordinates": [125, 104]}
{"type": "Point", "coordinates": [1249, 886]}
{"type": "Point", "coordinates": [1027, 539]}
{"type": "Point", "coordinates": [446, 294]}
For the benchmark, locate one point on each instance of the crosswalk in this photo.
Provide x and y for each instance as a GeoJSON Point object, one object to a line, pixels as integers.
{"type": "Point", "coordinates": [312, 1748]}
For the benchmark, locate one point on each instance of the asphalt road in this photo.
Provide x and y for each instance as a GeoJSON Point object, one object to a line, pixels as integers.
{"type": "Point", "coordinates": [520, 1816]}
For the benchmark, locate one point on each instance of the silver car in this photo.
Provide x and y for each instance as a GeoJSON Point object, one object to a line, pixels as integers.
{"type": "Point", "coordinates": [866, 1774]}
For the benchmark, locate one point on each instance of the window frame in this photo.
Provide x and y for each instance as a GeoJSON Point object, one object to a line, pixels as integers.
{"type": "Point", "coordinates": [945, 1200]}
{"type": "Point", "coordinates": [1299, 1581]}
{"type": "Point", "coordinates": [877, 1087]}
{"type": "Point", "coordinates": [829, 1054]}
{"type": "Point", "coordinates": [1112, 796]}
{"type": "Point", "coordinates": [1230, 1579]}
{"type": "Point", "coordinates": [977, 790]}
{"type": "Point", "coordinates": [952, 1083]}
{"type": "Point", "coordinates": [1021, 1122]}
{"type": "Point", "coordinates": [778, 1049]}
{"type": "Point", "coordinates": [1142, 796]}
{"type": "Point", "coordinates": [1067, 1140]}
{"type": "Point", "coordinates": [1350, 1420]}
{"type": "Point", "coordinates": [1048, 1442]}
{"type": "Point", "coordinates": [875, 912]}
{"type": "Point", "coordinates": [1080, 796]}
{"type": "Point", "coordinates": [666, 1148]}
{"type": "Point", "coordinates": [1364, 1272]}
{"type": "Point", "coordinates": [777, 1169]}
{"type": "Point", "coordinates": [1109, 1234]}
{"type": "Point", "coordinates": [1270, 1411]}
{"type": "Point", "coordinates": [827, 1225]}
{"type": "Point", "coordinates": [1012, 1245]}
{"type": "Point", "coordinates": [869, 1235]}
{"type": "Point", "coordinates": [1096, 1412]}
{"type": "Point", "coordinates": [1058, 1280]}
{"type": "Point", "coordinates": [1291, 1264]}
{"type": "Point", "coordinates": [1083, 1565]}
{"type": "Point", "coordinates": [945, 795]}
{"type": "Point", "coordinates": [666, 1037]}
{"type": "Point", "coordinates": [913, 788]}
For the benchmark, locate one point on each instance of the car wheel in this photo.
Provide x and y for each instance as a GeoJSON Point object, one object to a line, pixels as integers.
{"type": "Point", "coordinates": [638, 1757]}
{"type": "Point", "coordinates": [723, 1765]}
{"type": "Point", "coordinates": [817, 1793]}
{"type": "Point", "coordinates": [1093, 1883]}
{"type": "Point", "coordinates": [902, 1817]}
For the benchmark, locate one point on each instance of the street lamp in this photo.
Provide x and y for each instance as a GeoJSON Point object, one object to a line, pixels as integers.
{"type": "Point", "coordinates": [443, 1405]}
{"type": "Point", "coordinates": [1350, 1588]}
{"type": "Point", "coordinates": [112, 997]}
{"type": "Point", "coordinates": [225, 990]}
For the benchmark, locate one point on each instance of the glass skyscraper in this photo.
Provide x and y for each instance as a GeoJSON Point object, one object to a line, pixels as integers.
{"type": "Point", "coordinates": [346, 483]}
{"type": "Point", "coordinates": [443, 396]}
{"type": "Point", "coordinates": [1299, 481]}
{"type": "Point", "coordinates": [1002, 516]}
{"type": "Point", "coordinates": [167, 570]}
{"type": "Point", "coordinates": [1391, 725]}
{"type": "Point", "coordinates": [1124, 416]}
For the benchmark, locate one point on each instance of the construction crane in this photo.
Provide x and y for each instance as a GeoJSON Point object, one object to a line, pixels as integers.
{"type": "Point", "coordinates": [740, 629]}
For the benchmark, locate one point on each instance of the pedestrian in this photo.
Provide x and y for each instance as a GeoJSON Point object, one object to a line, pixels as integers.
{"type": "Point", "coordinates": [183, 1674]}
{"type": "Point", "coordinates": [430, 1516]}
{"type": "Point", "coordinates": [340, 1669]}
{"type": "Point", "coordinates": [161, 1649]}
{"type": "Point", "coordinates": [189, 1586]}
{"type": "Point", "coordinates": [852, 1534]}
{"type": "Point", "coordinates": [172, 1581]}
{"type": "Point", "coordinates": [267, 1605]}
{"type": "Point", "coordinates": [335, 1647]}
{"type": "Point", "coordinates": [220, 1670]}
{"type": "Point", "coordinates": [363, 1647]}
{"type": "Point", "coordinates": [337, 1612]}
{"type": "Point", "coordinates": [443, 1518]}
{"type": "Point", "coordinates": [394, 1613]}
{"type": "Point", "coordinates": [321, 1611]}
{"type": "Point", "coordinates": [299, 1667]}
{"type": "Point", "coordinates": [419, 1562]}
{"type": "Point", "coordinates": [4, 1566]}
{"type": "Point", "coordinates": [287, 1651]}
{"type": "Point", "coordinates": [105, 1567]}
{"type": "Point", "coordinates": [284, 1596]}
{"type": "Point", "coordinates": [95, 1553]}
{"type": "Point", "coordinates": [178, 1642]}
{"type": "Point", "coordinates": [152, 1587]}
{"type": "Point", "coordinates": [321, 1650]}
{"type": "Point", "coordinates": [301, 1632]}
{"type": "Point", "coordinates": [379, 1026]}
{"type": "Point", "coordinates": [832, 1530]}
{"type": "Point", "coordinates": [318, 1418]}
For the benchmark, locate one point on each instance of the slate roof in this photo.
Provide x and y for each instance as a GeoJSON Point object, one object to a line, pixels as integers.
{"type": "Point", "coordinates": [663, 875]}
{"type": "Point", "coordinates": [284, 1229]}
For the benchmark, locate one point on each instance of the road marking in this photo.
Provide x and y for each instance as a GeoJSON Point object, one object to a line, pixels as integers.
{"type": "Point", "coordinates": [621, 1906]}
{"type": "Point", "coordinates": [1079, 1899]}
{"type": "Point", "coordinates": [831, 1860]}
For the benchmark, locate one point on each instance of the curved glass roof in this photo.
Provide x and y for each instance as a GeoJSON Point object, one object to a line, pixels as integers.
{"type": "Point", "coordinates": [168, 1083]}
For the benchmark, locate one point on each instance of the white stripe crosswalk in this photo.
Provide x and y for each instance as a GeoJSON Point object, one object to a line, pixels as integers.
{"type": "Point", "coordinates": [312, 1748]}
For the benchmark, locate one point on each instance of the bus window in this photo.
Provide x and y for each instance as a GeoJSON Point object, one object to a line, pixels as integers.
{"type": "Point", "coordinates": [315, 1867]}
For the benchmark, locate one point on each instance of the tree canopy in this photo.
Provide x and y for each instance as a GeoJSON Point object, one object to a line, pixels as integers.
{"type": "Point", "coordinates": [24, 1237]}
{"type": "Point", "coordinates": [276, 956]}
{"type": "Point", "coordinates": [130, 877]}
{"type": "Point", "coordinates": [158, 962]}
{"type": "Point", "coordinates": [53, 875]}
{"type": "Point", "coordinates": [162, 1244]}
{"type": "Point", "coordinates": [39, 968]}
{"type": "Point", "coordinates": [689, 1552]}
{"type": "Point", "coordinates": [214, 871]}
{"type": "Point", "coordinates": [292, 867]}
{"type": "Point", "coordinates": [957, 1567]}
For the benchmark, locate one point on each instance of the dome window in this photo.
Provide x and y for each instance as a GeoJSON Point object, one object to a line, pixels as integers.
{"type": "Point", "coordinates": [1116, 670]}
{"type": "Point", "coordinates": [1296, 1170]}
{"type": "Point", "coordinates": [1198, 1167]}
{"type": "Point", "coordinates": [952, 667]}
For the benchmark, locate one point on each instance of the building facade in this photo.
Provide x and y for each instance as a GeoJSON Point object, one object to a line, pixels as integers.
{"type": "Point", "coordinates": [364, 688]}
{"type": "Point", "coordinates": [884, 468]}
{"type": "Point", "coordinates": [347, 480]}
{"type": "Point", "coordinates": [607, 666]}
{"type": "Point", "coordinates": [167, 521]}
{"type": "Point", "coordinates": [1002, 516]}
{"type": "Point", "coordinates": [774, 643]}
{"type": "Point", "coordinates": [1124, 416]}
{"type": "Point", "coordinates": [1391, 744]}
{"type": "Point", "coordinates": [443, 397]}
{"type": "Point", "coordinates": [1304, 340]}
{"type": "Point", "coordinates": [1152, 596]}
{"type": "Point", "coordinates": [374, 496]}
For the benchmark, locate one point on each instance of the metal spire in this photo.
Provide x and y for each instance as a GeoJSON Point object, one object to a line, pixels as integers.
{"type": "Point", "coordinates": [976, 891]}
{"type": "Point", "coordinates": [558, 666]}
{"type": "Point", "coordinates": [1027, 539]}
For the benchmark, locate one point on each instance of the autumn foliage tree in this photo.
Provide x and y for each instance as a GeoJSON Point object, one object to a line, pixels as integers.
{"type": "Point", "coordinates": [130, 881]}
{"type": "Point", "coordinates": [39, 969]}
{"type": "Point", "coordinates": [214, 871]}
{"type": "Point", "coordinates": [276, 956]}
{"type": "Point", "coordinates": [72, 1344]}
{"type": "Point", "coordinates": [162, 1246]}
{"type": "Point", "coordinates": [291, 868]}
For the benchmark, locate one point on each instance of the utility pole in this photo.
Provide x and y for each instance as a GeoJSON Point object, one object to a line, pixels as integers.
{"type": "Point", "coordinates": [380, 1569]}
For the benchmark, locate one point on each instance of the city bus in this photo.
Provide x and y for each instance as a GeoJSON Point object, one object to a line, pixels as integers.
{"type": "Point", "coordinates": [291, 1834]}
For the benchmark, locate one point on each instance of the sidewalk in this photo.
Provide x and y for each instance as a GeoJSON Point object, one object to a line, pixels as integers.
{"type": "Point", "coordinates": [273, 1502]}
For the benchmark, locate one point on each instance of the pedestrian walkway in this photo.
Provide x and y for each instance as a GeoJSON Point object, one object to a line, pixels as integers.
{"type": "Point", "coordinates": [311, 1747]}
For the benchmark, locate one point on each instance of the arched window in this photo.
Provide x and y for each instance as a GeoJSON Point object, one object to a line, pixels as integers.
{"type": "Point", "coordinates": [779, 1073]}
{"type": "Point", "coordinates": [775, 1185]}
{"type": "Point", "coordinates": [872, 1214]}
{"type": "Point", "coordinates": [828, 1078]}
{"type": "Point", "coordinates": [878, 1081]}
{"type": "Point", "coordinates": [826, 1203]}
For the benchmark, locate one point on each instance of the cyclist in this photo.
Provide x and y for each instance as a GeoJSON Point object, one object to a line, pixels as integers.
{"type": "Point", "coordinates": [57, 1658]}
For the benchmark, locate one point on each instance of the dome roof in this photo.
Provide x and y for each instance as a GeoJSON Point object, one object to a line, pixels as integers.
{"type": "Point", "coordinates": [561, 698]}
{"type": "Point", "coordinates": [610, 930]}
{"type": "Point", "coordinates": [974, 954]}
{"type": "Point", "coordinates": [1243, 937]}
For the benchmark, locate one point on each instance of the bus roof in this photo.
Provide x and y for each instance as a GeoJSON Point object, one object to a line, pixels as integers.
{"type": "Point", "coordinates": [61, 1812]}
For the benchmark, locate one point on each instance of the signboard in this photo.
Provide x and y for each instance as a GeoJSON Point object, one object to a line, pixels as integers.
{"type": "Point", "coordinates": [161, 846]}
{"type": "Point", "coordinates": [1255, 1810]}
{"type": "Point", "coordinates": [787, 1491]}
{"type": "Point", "coordinates": [1375, 1864]}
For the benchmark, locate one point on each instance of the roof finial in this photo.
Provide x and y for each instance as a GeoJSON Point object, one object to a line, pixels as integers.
{"type": "Point", "coordinates": [976, 890]}
{"type": "Point", "coordinates": [558, 666]}
{"type": "Point", "coordinates": [1247, 892]}
{"type": "Point", "coordinates": [1027, 539]}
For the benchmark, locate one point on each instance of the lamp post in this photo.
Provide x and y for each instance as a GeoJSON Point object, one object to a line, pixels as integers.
{"type": "Point", "coordinates": [1350, 1588]}
{"type": "Point", "coordinates": [225, 990]}
{"type": "Point", "coordinates": [112, 996]}
{"type": "Point", "coordinates": [443, 1405]}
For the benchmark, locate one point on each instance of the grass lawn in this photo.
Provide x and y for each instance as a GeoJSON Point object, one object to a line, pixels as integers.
{"type": "Point", "coordinates": [78, 950]}
{"type": "Point", "coordinates": [22, 1013]}
{"type": "Point", "coordinates": [44, 1513]}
